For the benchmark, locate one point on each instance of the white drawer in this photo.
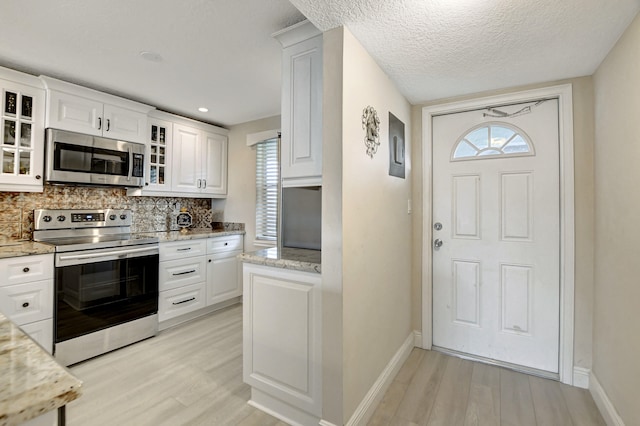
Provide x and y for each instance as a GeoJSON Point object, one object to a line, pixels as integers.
{"type": "Point", "coordinates": [24, 269]}
{"type": "Point", "coordinates": [182, 249]}
{"type": "Point", "coordinates": [41, 332]}
{"type": "Point", "coordinates": [222, 244]}
{"type": "Point", "coordinates": [180, 301]}
{"type": "Point", "coordinates": [181, 272]}
{"type": "Point", "coordinates": [28, 302]}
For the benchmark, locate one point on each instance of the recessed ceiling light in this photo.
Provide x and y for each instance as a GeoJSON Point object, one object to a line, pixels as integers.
{"type": "Point", "coordinates": [203, 109]}
{"type": "Point", "coordinates": [150, 56]}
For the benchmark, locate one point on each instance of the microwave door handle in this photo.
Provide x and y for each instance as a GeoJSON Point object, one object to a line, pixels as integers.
{"type": "Point", "coordinates": [130, 164]}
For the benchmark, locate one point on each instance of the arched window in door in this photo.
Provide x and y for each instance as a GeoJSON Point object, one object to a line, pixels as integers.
{"type": "Point", "coordinates": [492, 140]}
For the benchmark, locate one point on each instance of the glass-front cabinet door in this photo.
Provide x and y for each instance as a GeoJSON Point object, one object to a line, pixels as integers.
{"type": "Point", "coordinates": [21, 137]}
{"type": "Point", "coordinates": [159, 175]}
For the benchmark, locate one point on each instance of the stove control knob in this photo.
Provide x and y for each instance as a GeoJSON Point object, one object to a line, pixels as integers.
{"type": "Point", "coordinates": [47, 218]}
{"type": "Point", "coordinates": [61, 218]}
{"type": "Point", "coordinates": [123, 216]}
{"type": "Point", "coordinates": [112, 217]}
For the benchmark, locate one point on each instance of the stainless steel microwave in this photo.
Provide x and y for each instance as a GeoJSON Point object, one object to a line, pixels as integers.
{"type": "Point", "coordinates": [81, 159]}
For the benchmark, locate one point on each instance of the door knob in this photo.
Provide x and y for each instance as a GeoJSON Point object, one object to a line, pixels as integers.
{"type": "Point", "coordinates": [437, 243]}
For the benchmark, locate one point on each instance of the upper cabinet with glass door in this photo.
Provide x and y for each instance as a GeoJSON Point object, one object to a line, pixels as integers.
{"type": "Point", "coordinates": [21, 132]}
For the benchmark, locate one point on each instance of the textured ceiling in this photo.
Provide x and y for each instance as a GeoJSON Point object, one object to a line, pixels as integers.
{"type": "Point", "coordinates": [220, 54]}
{"type": "Point", "coordinates": [440, 48]}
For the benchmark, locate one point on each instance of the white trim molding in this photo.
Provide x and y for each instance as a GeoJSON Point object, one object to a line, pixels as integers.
{"type": "Point", "coordinates": [581, 377]}
{"type": "Point", "coordinates": [564, 94]}
{"type": "Point", "coordinates": [371, 400]}
{"type": "Point", "coordinates": [255, 138]}
{"type": "Point", "coordinates": [417, 338]}
{"type": "Point", "coordinates": [604, 404]}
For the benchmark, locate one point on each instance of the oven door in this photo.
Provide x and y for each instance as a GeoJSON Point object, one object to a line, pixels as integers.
{"type": "Point", "coordinates": [97, 289]}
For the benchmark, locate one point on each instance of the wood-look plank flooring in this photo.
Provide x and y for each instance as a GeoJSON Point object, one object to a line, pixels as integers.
{"type": "Point", "coordinates": [190, 374]}
{"type": "Point", "coordinates": [436, 389]}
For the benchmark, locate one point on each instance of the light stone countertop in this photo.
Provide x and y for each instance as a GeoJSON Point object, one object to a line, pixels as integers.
{"type": "Point", "coordinates": [191, 234]}
{"type": "Point", "coordinates": [24, 248]}
{"type": "Point", "coordinates": [31, 381]}
{"type": "Point", "coordinates": [287, 258]}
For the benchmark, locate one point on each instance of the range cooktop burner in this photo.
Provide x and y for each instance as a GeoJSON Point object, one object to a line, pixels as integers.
{"type": "Point", "coordinates": [86, 229]}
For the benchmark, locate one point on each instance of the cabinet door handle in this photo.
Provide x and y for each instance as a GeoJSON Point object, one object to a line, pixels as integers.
{"type": "Point", "coordinates": [108, 124]}
{"type": "Point", "coordinates": [99, 123]}
{"type": "Point", "coordinates": [204, 185]}
{"type": "Point", "coordinates": [25, 269]}
{"type": "Point", "coordinates": [25, 305]}
{"type": "Point", "coordinates": [185, 272]}
{"type": "Point", "coordinates": [184, 249]}
{"type": "Point", "coordinates": [184, 301]}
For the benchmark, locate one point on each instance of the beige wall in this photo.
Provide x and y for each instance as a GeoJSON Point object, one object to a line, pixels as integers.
{"type": "Point", "coordinates": [240, 204]}
{"type": "Point", "coordinates": [617, 232]}
{"type": "Point", "coordinates": [376, 228]}
{"type": "Point", "coordinates": [584, 209]}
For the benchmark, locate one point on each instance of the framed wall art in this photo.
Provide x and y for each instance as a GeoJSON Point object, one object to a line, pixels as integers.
{"type": "Point", "coordinates": [396, 147]}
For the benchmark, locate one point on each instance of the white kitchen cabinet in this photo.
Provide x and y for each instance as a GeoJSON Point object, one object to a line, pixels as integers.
{"type": "Point", "coordinates": [223, 268]}
{"type": "Point", "coordinates": [22, 100]}
{"type": "Point", "coordinates": [182, 278]}
{"type": "Point", "coordinates": [282, 356]}
{"type": "Point", "coordinates": [78, 109]}
{"type": "Point", "coordinates": [301, 144]}
{"type": "Point", "coordinates": [26, 295]}
{"type": "Point", "coordinates": [199, 161]}
{"type": "Point", "coordinates": [197, 277]}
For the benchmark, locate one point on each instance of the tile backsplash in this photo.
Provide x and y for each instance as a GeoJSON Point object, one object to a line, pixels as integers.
{"type": "Point", "coordinates": [149, 213]}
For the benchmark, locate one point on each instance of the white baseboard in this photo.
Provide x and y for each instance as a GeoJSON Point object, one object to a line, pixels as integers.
{"type": "Point", "coordinates": [325, 423]}
{"type": "Point", "coordinates": [417, 338]}
{"type": "Point", "coordinates": [371, 400]}
{"type": "Point", "coordinates": [581, 377]}
{"type": "Point", "coordinates": [604, 404]}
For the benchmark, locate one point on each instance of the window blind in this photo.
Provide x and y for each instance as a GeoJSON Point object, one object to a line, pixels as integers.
{"type": "Point", "coordinates": [267, 177]}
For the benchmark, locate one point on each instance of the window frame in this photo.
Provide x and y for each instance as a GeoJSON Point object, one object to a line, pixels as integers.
{"type": "Point", "coordinates": [267, 192]}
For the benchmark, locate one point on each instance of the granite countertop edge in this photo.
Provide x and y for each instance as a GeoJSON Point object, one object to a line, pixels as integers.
{"type": "Point", "coordinates": [29, 248]}
{"type": "Point", "coordinates": [289, 258]}
{"type": "Point", "coordinates": [22, 361]}
{"type": "Point", "coordinates": [192, 234]}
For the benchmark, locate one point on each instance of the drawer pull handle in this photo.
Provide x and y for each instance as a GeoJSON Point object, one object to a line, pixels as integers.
{"type": "Point", "coordinates": [184, 301]}
{"type": "Point", "coordinates": [184, 249]}
{"type": "Point", "coordinates": [25, 305]}
{"type": "Point", "coordinates": [25, 269]}
{"type": "Point", "coordinates": [185, 272]}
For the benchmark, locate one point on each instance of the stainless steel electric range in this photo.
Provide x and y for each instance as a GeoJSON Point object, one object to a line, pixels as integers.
{"type": "Point", "coordinates": [106, 281]}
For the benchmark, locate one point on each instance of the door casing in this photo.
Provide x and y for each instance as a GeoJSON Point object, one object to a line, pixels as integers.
{"type": "Point", "coordinates": [564, 94]}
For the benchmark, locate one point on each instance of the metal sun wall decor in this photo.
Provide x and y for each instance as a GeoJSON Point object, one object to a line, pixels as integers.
{"type": "Point", "coordinates": [371, 126]}
{"type": "Point", "coordinates": [396, 147]}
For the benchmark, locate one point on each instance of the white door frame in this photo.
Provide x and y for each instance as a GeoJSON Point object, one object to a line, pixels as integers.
{"type": "Point", "coordinates": [564, 94]}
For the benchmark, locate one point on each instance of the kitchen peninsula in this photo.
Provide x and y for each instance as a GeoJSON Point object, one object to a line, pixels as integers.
{"type": "Point", "coordinates": [282, 332]}
{"type": "Point", "coordinates": [32, 383]}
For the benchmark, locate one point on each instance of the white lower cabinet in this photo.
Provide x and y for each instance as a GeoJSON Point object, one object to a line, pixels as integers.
{"type": "Point", "coordinates": [196, 274]}
{"type": "Point", "coordinates": [26, 295]}
{"type": "Point", "coordinates": [282, 342]}
{"type": "Point", "coordinates": [223, 268]}
{"type": "Point", "coordinates": [180, 301]}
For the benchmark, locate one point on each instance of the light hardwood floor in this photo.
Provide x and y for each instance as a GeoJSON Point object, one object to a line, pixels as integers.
{"type": "Point", "coordinates": [187, 375]}
{"type": "Point", "coordinates": [437, 389]}
{"type": "Point", "coordinates": [192, 375]}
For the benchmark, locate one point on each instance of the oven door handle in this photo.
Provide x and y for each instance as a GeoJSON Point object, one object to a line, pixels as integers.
{"type": "Point", "coordinates": [151, 250]}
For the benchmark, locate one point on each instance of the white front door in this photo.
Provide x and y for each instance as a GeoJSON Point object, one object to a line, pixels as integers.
{"type": "Point", "coordinates": [496, 284]}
